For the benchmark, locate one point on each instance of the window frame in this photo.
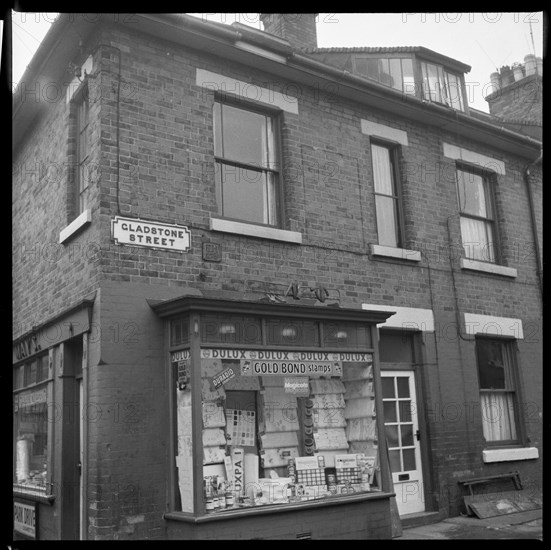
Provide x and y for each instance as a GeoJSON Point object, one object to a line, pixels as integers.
{"type": "Point", "coordinates": [444, 72]}
{"type": "Point", "coordinates": [516, 391]}
{"type": "Point", "coordinates": [26, 386]}
{"type": "Point", "coordinates": [276, 117]}
{"type": "Point", "coordinates": [81, 181]}
{"type": "Point", "coordinates": [489, 180]}
{"type": "Point", "coordinates": [394, 156]}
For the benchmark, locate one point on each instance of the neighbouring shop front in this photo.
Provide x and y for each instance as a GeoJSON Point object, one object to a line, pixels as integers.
{"type": "Point", "coordinates": [49, 369]}
{"type": "Point", "coordinates": [275, 412]}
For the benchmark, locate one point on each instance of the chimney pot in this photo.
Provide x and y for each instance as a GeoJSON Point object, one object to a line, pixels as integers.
{"type": "Point", "coordinates": [530, 64]}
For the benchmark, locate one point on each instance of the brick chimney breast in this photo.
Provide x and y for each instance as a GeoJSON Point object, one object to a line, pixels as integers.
{"type": "Point", "coordinates": [299, 29]}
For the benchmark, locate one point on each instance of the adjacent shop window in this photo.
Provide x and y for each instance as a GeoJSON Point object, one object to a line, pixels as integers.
{"type": "Point", "coordinates": [477, 214]}
{"type": "Point", "coordinates": [498, 396]}
{"type": "Point", "coordinates": [82, 172]}
{"type": "Point", "coordinates": [387, 201]}
{"type": "Point", "coordinates": [396, 73]}
{"type": "Point", "coordinates": [442, 86]}
{"type": "Point", "coordinates": [30, 428]}
{"type": "Point", "coordinates": [246, 157]}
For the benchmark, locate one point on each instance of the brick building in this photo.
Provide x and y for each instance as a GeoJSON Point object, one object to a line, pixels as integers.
{"type": "Point", "coordinates": [198, 210]}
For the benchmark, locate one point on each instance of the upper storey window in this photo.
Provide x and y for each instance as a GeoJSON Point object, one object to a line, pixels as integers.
{"type": "Point", "coordinates": [441, 86]}
{"type": "Point", "coordinates": [394, 72]}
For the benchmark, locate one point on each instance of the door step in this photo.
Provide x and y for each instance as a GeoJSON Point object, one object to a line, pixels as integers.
{"type": "Point", "coordinates": [420, 518]}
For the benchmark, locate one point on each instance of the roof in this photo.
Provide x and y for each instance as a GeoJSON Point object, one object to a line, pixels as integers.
{"type": "Point", "coordinates": [421, 50]}
{"type": "Point", "coordinates": [270, 55]}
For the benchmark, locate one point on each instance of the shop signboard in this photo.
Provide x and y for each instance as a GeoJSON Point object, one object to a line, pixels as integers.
{"type": "Point", "coordinates": [24, 519]}
{"type": "Point", "coordinates": [163, 236]}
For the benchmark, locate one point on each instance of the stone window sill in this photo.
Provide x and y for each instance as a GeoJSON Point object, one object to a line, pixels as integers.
{"type": "Point", "coordinates": [512, 454]}
{"type": "Point", "coordinates": [487, 267]}
{"type": "Point", "coordinates": [252, 230]}
{"type": "Point", "coordinates": [75, 226]}
{"type": "Point", "coordinates": [398, 253]}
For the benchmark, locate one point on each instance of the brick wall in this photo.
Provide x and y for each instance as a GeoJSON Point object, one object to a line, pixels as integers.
{"type": "Point", "coordinates": [165, 174]}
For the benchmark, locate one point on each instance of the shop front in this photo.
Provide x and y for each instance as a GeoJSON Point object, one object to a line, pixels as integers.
{"type": "Point", "coordinates": [50, 366]}
{"type": "Point", "coordinates": [275, 414]}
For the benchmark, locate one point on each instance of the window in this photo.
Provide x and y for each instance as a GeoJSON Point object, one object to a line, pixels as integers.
{"type": "Point", "coordinates": [387, 204]}
{"type": "Point", "coordinates": [394, 72]}
{"type": "Point", "coordinates": [498, 398]}
{"type": "Point", "coordinates": [442, 86]}
{"type": "Point", "coordinates": [279, 424]}
{"type": "Point", "coordinates": [474, 193]}
{"type": "Point", "coordinates": [82, 152]}
{"type": "Point", "coordinates": [246, 156]}
{"type": "Point", "coordinates": [31, 420]}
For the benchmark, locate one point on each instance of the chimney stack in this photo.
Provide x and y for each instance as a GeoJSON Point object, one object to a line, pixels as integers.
{"type": "Point", "coordinates": [299, 29]}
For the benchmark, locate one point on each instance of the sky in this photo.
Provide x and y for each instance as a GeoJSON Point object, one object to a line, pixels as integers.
{"type": "Point", "coordinates": [484, 40]}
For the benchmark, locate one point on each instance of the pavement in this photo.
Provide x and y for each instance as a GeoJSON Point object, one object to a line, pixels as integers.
{"type": "Point", "coordinates": [520, 525]}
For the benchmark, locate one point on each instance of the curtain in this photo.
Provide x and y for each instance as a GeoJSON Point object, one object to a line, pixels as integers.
{"type": "Point", "coordinates": [477, 238]}
{"type": "Point", "coordinates": [498, 416]}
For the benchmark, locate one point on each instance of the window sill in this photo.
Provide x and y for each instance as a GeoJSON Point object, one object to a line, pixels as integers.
{"type": "Point", "coordinates": [34, 495]}
{"type": "Point", "coordinates": [487, 267]}
{"type": "Point", "coordinates": [505, 455]}
{"type": "Point", "coordinates": [252, 230]}
{"type": "Point", "coordinates": [399, 253]}
{"type": "Point", "coordinates": [76, 225]}
{"type": "Point", "coordinates": [276, 508]}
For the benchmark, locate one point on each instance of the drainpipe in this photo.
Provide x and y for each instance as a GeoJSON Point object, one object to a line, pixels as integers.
{"type": "Point", "coordinates": [539, 266]}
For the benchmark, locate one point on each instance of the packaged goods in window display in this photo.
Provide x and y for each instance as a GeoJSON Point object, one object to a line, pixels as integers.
{"type": "Point", "coordinates": [283, 447]}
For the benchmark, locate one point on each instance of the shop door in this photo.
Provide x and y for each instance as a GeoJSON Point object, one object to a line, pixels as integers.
{"type": "Point", "coordinates": [402, 435]}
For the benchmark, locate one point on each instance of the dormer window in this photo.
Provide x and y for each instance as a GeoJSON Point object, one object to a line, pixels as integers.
{"type": "Point", "coordinates": [395, 72]}
{"type": "Point", "coordinates": [441, 86]}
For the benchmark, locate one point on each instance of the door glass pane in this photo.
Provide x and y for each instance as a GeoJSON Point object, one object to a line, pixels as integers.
{"type": "Point", "coordinates": [403, 386]}
{"type": "Point", "coordinates": [388, 387]}
{"type": "Point", "coordinates": [409, 459]}
{"type": "Point", "coordinates": [407, 434]}
{"type": "Point", "coordinates": [405, 410]}
{"type": "Point", "coordinates": [395, 465]}
{"type": "Point", "coordinates": [392, 436]}
{"type": "Point", "coordinates": [389, 410]}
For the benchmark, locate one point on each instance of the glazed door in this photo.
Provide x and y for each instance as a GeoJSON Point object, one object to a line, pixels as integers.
{"type": "Point", "coordinates": [402, 435]}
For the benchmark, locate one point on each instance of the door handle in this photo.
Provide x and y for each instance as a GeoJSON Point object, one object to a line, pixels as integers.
{"type": "Point", "coordinates": [79, 468]}
{"type": "Point", "coordinates": [418, 435]}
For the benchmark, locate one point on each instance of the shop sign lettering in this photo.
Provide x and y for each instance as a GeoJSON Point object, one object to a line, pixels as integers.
{"type": "Point", "coordinates": [27, 399]}
{"type": "Point", "coordinates": [283, 355]}
{"type": "Point", "coordinates": [290, 368]}
{"type": "Point", "coordinates": [26, 347]}
{"type": "Point", "coordinates": [24, 518]}
{"type": "Point", "coordinates": [181, 355]}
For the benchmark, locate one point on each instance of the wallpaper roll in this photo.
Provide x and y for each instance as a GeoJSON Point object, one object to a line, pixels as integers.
{"type": "Point", "coordinates": [251, 474]}
{"type": "Point", "coordinates": [22, 460]}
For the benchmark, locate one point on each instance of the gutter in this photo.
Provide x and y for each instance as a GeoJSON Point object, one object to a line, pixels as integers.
{"type": "Point", "coordinates": [527, 180]}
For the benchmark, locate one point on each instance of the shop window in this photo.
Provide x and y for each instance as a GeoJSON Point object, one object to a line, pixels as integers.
{"type": "Point", "coordinates": [498, 396]}
{"type": "Point", "coordinates": [179, 332]}
{"type": "Point", "coordinates": [246, 164]}
{"type": "Point", "coordinates": [477, 218]}
{"type": "Point", "coordinates": [346, 335]}
{"type": "Point", "coordinates": [442, 86]}
{"type": "Point", "coordinates": [31, 422]}
{"type": "Point", "coordinates": [292, 333]}
{"type": "Point", "coordinates": [231, 329]}
{"type": "Point", "coordinates": [384, 160]}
